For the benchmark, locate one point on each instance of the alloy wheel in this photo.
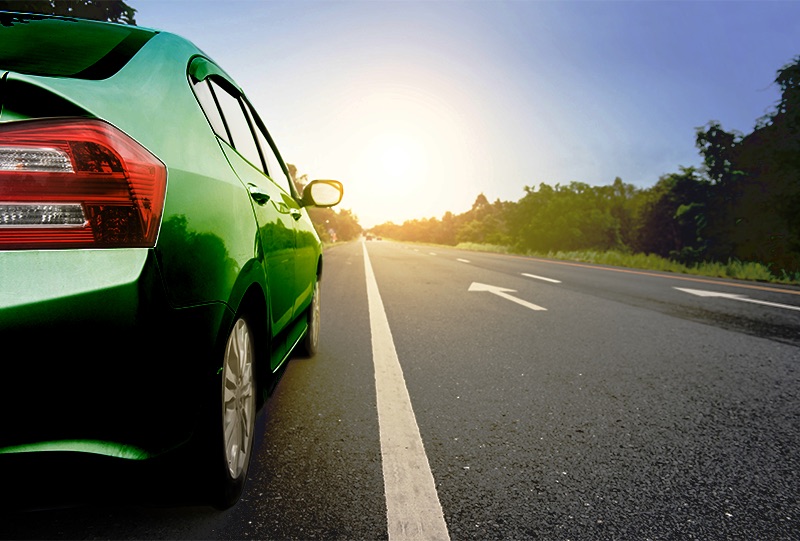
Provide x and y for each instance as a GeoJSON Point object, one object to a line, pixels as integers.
{"type": "Point", "coordinates": [238, 415]}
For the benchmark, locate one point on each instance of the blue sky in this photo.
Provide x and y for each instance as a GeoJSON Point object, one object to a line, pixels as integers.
{"type": "Point", "coordinates": [419, 106]}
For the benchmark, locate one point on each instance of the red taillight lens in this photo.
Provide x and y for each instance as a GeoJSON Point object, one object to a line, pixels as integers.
{"type": "Point", "coordinates": [72, 183]}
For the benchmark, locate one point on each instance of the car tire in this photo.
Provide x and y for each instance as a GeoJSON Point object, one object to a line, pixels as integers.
{"type": "Point", "coordinates": [310, 342]}
{"type": "Point", "coordinates": [236, 429]}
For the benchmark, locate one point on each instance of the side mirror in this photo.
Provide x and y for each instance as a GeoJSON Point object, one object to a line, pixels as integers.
{"type": "Point", "coordinates": [322, 193]}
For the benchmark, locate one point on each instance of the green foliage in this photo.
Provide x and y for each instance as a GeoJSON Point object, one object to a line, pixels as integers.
{"type": "Point", "coordinates": [572, 217]}
{"type": "Point", "coordinates": [475, 247]}
{"type": "Point", "coordinates": [673, 217]}
{"type": "Point", "coordinates": [739, 216]}
{"type": "Point", "coordinates": [115, 11]}
{"type": "Point", "coordinates": [755, 200]}
{"type": "Point", "coordinates": [333, 226]}
{"type": "Point", "coordinates": [733, 268]}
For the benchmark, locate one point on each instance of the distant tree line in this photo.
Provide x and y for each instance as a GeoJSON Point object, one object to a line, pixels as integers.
{"type": "Point", "coordinates": [335, 226]}
{"type": "Point", "coordinates": [743, 203]}
{"type": "Point", "coordinates": [115, 11]}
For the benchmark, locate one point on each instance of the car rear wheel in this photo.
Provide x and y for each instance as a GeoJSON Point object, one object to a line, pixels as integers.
{"type": "Point", "coordinates": [238, 412]}
{"type": "Point", "coordinates": [310, 342]}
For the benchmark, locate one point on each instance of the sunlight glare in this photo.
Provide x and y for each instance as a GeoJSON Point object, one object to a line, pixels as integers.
{"type": "Point", "coordinates": [396, 157]}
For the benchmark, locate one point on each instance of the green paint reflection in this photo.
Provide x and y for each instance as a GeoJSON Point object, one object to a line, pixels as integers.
{"type": "Point", "coordinates": [106, 448]}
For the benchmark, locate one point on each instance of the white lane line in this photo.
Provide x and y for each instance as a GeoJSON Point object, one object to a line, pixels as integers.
{"type": "Point", "coordinates": [413, 509]}
{"type": "Point", "coordinates": [433, 253]}
{"type": "Point", "coordinates": [736, 297]}
{"type": "Point", "coordinates": [541, 278]}
{"type": "Point", "coordinates": [463, 260]}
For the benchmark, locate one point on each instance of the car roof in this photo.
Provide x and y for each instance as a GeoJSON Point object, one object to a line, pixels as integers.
{"type": "Point", "coordinates": [55, 46]}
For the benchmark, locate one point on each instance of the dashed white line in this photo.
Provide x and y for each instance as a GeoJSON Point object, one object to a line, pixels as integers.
{"type": "Point", "coordinates": [541, 278]}
{"type": "Point", "coordinates": [463, 260]}
{"type": "Point", "coordinates": [413, 509]}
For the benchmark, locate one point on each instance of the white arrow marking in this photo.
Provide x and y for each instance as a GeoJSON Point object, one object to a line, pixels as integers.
{"type": "Point", "coordinates": [733, 296]}
{"type": "Point", "coordinates": [503, 292]}
{"type": "Point", "coordinates": [541, 278]}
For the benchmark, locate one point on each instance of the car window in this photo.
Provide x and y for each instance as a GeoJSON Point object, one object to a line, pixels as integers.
{"type": "Point", "coordinates": [210, 108]}
{"type": "Point", "coordinates": [238, 125]}
{"type": "Point", "coordinates": [274, 169]}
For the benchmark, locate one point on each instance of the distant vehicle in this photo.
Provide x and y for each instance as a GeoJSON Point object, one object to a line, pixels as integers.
{"type": "Point", "coordinates": [370, 236]}
{"type": "Point", "coordinates": [157, 263]}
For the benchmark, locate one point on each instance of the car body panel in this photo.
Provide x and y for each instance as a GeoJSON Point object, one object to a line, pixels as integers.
{"type": "Point", "coordinates": [86, 49]}
{"type": "Point", "coordinates": [27, 276]}
{"type": "Point", "coordinates": [96, 351]}
{"type": "Point", "coordinates": [307, 260]}
{"type": "Point", "coordinates": [126, 344]}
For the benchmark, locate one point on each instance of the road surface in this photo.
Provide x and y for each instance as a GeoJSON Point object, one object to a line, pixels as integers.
{"type": "Point", "coordinates": [463, 395]}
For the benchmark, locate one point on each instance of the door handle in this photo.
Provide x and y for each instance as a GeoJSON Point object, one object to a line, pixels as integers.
{"type": "Point", "coordinates": [258, 194]}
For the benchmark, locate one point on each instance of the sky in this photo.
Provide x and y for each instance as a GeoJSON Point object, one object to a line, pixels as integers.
{"type": "Point", "coordinates": [420, 106]}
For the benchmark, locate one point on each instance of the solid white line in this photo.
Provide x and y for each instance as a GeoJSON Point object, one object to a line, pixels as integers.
{"type": "Point", "coordinates": [541, 278]}
{"type": "Point", "coordinates": [463, 260]}
{"type": "Point", "coordinates": [412, 505]}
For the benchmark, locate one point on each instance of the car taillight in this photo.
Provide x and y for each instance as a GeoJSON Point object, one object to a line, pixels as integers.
{"type": "Point", "coordinates": [72, 183]}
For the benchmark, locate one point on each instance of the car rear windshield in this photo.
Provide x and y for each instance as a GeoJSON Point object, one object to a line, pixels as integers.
{"type": "Point", "coordinates": [66, 47]}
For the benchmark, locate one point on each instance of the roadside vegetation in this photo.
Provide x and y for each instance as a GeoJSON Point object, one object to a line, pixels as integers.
{"type": "Point", "coordinates": [730, 269]}
{"type": "Point", "coordinates": [738, 216]}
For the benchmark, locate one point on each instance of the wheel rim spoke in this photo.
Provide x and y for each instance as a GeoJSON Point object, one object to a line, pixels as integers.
{"type": "Point", "coordinates": [238, 398]}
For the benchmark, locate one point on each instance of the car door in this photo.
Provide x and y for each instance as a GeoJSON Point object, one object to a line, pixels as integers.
{"type": "Point", "coordinates": [307, 244]}
{"type": "Point", "coordinates": [275, 221]}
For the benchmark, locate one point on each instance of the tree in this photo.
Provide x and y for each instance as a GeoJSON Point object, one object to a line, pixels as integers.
{"type": "Point", "coordinates": [484, 223]}
{"type": "Point", "coordinates": [675, 217]}
{"type": "Point", "coordinates": [719, 149]}
{"type": "Point", "coordinates": [573, 217]}
{"type": "Point", "coordinates": [755, 197]}
{"type": "Point", "coordinates": [764, 205]}
{"type": "Point", "coordinates": [300, 181]}
{"type": "Point", "coordinates": [115, 11]}
{"type": "Point", "coordinates": [334, 226]}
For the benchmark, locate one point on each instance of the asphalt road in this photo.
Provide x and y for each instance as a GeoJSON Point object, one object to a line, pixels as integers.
{"type": "Point", "coordinates": [550, 401]}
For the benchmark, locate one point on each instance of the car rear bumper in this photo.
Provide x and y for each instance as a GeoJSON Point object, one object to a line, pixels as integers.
{"type": "Point", "coordinates": [95, 360]}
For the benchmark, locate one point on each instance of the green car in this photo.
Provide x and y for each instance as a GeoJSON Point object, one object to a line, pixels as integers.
{"type": "Point", "coordinates": [158, 266]}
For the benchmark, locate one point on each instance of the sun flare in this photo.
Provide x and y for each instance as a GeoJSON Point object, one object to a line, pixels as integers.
{"type": "Point", "coordinates": [396, 157]}
{"type": "Point", "coordinates": [412, 154]}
